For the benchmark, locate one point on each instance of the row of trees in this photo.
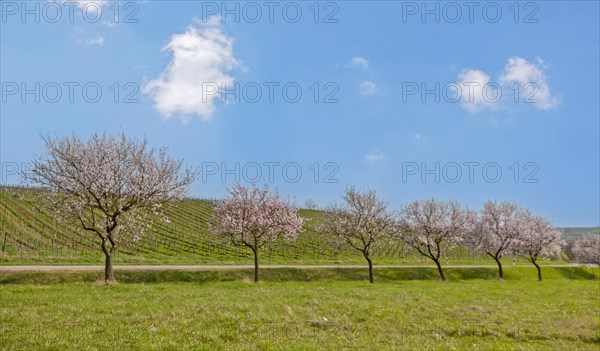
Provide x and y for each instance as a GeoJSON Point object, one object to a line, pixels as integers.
{"type": "Point", "coordinates": [253, 217]}
{"type": "Point", "coordinates": [433, 227]}
{"type": "Point", "coordinates": [115, 186]}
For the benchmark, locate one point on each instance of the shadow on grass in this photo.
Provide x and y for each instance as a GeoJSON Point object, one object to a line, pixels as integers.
{"type": "Point", "coordinates": [576, 273]}
{"type": "Point", "coordinates": [472, 273]}
{"type": "Point", "coordinates": [289, 274]}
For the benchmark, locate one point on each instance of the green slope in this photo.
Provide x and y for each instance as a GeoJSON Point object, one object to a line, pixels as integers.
{"type": "Point", "coordinates": [570, 234]}
{"type": "Point", "coordinates": [31, 235]}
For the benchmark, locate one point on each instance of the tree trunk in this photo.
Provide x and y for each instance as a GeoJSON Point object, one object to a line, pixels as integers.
{"type": "Point", "coordinates": [4, 242]}
{"type": "Point", "coordinates": [108, 264]}
{"type": "Point", "coordinates": [440, 270]}
{"type": "Point", "coordinates": [254, 251]}
{"type": "Point", "coordinates": [539, 270]}
{"type": "Point", "coordinates": [500, 274]}
{"type": "Point", "coordinates": [108, 269]}
{"type": "Point", "coordinates": [5, 232]}
{"type": "Point", "coordinates": [370, 268]}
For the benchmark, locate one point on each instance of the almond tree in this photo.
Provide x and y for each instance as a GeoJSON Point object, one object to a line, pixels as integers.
{"type": "Point", "coordinates": [496, 230]}
{"type": "Point", "coordinates": [111, 186]}
{"type": "Point", "coordinates": [360, 222]}
{"type": "Point", "coordinates": [432, 227]}
{"type": "Point", "coordinates": [587, 249]}
{"type": "Point", "coordinates": [253, 218]}
{"type": "Point", "coordinates": [536, 239]}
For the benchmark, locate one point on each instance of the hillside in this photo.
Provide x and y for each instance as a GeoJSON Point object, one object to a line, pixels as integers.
{"type": "Point", "coordinates": [570, 234]}
{"type": "Point", "coordinates": [31, 235]}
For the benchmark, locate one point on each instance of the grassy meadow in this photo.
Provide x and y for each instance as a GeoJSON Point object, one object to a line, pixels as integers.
{"type": "Point", "coordinates": [291, 309]}
{"type": "Point", "coordinates": [316, 309]}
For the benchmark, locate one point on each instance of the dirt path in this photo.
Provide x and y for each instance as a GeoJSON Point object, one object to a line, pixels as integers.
{"type": "Point", "coordinates": [222, 267]}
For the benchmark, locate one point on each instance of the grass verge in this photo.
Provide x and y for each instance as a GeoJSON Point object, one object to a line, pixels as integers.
{"type": "Point", "coordinates": [312, 309]}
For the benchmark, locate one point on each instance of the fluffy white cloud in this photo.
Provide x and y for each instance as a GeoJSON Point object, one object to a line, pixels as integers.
{"type": "Point", "coordinates": [529, 79]}
{"type": "Point", "coordinates": [202, 59]}
{"type": "Point", "coordinates": [367, 88]}
{"type": "Point", "coordinates": [99, 40]}
{"type": "Point", "coordinates": [475, 91]}
{"type": "Point", "coordinates": [374, 156]}
{"type": "Point", "coordinates": [532, 82]}
{"type": "Point", "coordinates": [359, 62]}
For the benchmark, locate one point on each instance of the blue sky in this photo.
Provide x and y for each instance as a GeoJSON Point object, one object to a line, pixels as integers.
{"type": "Point", "coordinates": [371, 125]}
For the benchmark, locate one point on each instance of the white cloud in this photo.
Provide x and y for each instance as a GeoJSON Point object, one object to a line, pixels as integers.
{"type": "Point", "coordinates": [367, 88]}
{"type": "Point", "coordinates": [91, 10]}
{"type": "Point", "coordinates": [475, 91]}
{"type": "Point", "coordinates": [359, 62]}
{"type": "Point", "coordinates": [418, 136]}
{"type": "Point", "coordinates": [98, 40]}
{"type": "Point", "coordinates": [479, 93]}
{"type": "Point", "coordinates": [374, 156]}
{"type": "Point", "coordinates": [200, 57]}
{"type": "Point", "coordinates": [532, 82]}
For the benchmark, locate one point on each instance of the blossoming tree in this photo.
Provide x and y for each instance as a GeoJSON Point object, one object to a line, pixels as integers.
{"type": "Point", "coordinates": [496, 230]}
{"type": "Point", "coordinates": [432, 226]}
{"type": "Point", "coordinates": [109, 186]}
{"type": "Point", "coordinates": [537, 238]}
{"type": "Point", "coordinates": [360, 222]}
{"type": "Point", "coordinates": [587, 249]}
{"type": "Point", "coordinates": [255, 217]}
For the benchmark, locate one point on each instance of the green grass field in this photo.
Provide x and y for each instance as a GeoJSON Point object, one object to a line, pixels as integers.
{"type": "Point", "coordinates": [318, 309]}
{"type": "Point", "coordinates": [291, 309]}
